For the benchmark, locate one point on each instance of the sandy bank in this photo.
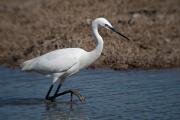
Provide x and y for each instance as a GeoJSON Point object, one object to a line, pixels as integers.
{"type": "Point", "coordinates": [30, 28]}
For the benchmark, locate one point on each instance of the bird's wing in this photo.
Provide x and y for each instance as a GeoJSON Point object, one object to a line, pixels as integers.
{"type": "Point", "coordinates": [51, 63]}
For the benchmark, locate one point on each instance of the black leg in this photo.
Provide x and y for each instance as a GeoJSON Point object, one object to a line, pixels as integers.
{"type": "Point", "coordinates": [49, 91]}
{"type": "Point", "coordinates": [52, 98]}
{"type": "Point", "coordinates": [71, 91]}
{"type": "Point", "coordinates": [57, 90]}
{"type": "Point", "coordinates": [71, 97]}
{"type": "Point", "coordinates": [56, 94]}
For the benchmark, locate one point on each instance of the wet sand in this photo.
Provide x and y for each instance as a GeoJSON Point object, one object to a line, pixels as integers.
{"type": "Point", "coordinates": [30, 28]}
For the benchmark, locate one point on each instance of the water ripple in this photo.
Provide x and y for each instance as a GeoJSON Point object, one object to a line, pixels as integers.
{"type": "Point", "coordinates": [132, 94]}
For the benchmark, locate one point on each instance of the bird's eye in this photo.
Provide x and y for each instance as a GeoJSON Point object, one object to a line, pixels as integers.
{"type": "Point", "coordinates": [106, 25]}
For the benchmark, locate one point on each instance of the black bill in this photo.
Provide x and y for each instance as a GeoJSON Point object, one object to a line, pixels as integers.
{"type": "Point", "coordinates": [114, 30]}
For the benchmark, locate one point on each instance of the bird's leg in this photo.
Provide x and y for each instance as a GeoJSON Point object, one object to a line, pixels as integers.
{"type": "Point", "coordinates": [49, 91]}
{"type": "Point", "coordinates": [52, 98]}
{"type": "Point", "coordinates": [57, 90]}
{"type": "Point", "coordinates": [72, 91]}
{"type": "Point", "coordinates": [71, 97]}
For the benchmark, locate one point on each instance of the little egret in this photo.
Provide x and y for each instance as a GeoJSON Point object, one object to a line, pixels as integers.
{"type": "Point", "coordinates": [63, 63]}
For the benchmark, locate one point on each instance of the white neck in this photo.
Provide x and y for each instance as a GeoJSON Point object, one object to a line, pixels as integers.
{"type": "Point", "coordinates": [96, 52]}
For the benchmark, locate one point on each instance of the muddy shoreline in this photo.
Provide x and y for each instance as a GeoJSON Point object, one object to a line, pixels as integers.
{"type": "Point", "coordinates": [29, 28]}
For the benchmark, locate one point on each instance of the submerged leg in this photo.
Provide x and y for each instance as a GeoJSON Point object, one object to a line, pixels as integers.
{"type": "Point", "coordinates": [71, 91]}
{"type": "Point", "coordinates": [56, 94]}
{"type": "Point", "coordinates": [52, 98]}
{"type": "Point", "coordinates": [57, 90]}
{"type": "Point", "coordinates": [49, 91]}
{"type": "Point", "coordinates": [71, 96]}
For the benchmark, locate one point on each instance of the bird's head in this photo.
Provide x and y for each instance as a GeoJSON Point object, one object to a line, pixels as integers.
{"type": "Point", "coordinates": [105, 23]}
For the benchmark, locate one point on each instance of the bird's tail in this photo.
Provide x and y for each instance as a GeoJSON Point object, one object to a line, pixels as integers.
{"type": "Point", "coordinates": [27, 65]}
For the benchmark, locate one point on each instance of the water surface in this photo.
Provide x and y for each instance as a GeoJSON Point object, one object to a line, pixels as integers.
{"type": "Point", "coordinates": [110, 95]}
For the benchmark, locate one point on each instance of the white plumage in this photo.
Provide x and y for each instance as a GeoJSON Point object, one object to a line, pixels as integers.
{"type": "Point", "coordinates": [57, 63]}
{"type": "Point", "coordinates": [65, 62]}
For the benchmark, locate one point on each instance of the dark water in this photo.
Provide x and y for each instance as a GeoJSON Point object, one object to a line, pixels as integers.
{"type": "Point", "coordinates": [110, 95]}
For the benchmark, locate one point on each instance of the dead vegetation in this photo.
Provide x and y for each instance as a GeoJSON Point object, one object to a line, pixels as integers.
{"type": "Point", "coordinates": [29, 28]}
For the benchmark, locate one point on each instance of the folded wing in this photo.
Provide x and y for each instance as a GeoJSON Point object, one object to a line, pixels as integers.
{"type": "Point", "coordinates": [51, 63]}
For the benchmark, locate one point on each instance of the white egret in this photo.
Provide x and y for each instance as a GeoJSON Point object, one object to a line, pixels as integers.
{"type": "Point", "coordinates": [63, 63]}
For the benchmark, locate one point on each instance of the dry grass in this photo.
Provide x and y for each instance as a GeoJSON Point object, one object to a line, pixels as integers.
{"type": "Point", "coordinates": [29, 28]}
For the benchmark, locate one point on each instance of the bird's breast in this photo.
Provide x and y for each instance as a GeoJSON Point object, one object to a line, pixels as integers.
{"type": "Point", "coordinates": [86, 60]}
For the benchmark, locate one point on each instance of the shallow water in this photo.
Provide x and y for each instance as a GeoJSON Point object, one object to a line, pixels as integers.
{"type": "Point", "coordinates": [115, 95]}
